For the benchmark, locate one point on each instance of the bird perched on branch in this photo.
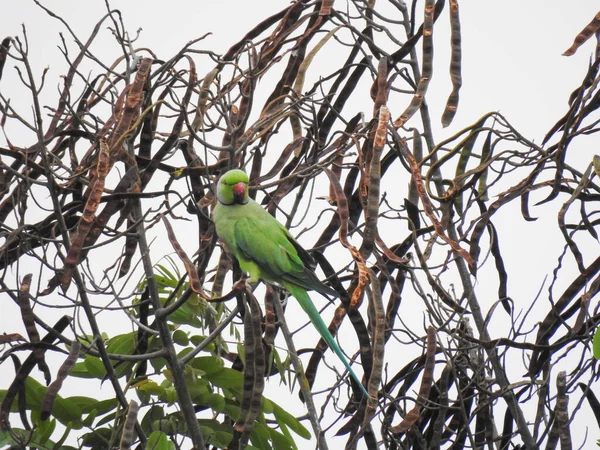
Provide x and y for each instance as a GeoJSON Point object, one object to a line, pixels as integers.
{"type": "Point", "coordinates": [266, 250]}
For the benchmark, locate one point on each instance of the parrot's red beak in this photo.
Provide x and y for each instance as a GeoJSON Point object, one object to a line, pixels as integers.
{"type": "Point", "coordinates": [239, 193]}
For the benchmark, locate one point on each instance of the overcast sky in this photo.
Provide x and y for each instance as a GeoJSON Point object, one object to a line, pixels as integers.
{"type": "Point", "coordinates": [512, 63]}
{"type": "Point", "coordinates": [513, 46]}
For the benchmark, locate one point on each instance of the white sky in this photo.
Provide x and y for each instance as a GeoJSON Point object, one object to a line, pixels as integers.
{"type": "Point", "coordinates": [512, 63]}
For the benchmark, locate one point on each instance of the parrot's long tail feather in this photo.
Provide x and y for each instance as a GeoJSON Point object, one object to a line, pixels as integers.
{"type": "Point", "coordinates": [315, 317]}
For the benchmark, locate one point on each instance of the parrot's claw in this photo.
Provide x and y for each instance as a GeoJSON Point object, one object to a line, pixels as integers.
{"type": "Point", "coordinates": [283, 297]}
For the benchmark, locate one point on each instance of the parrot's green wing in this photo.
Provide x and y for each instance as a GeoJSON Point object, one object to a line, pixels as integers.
{"type": "Point", "coordinates": [260, 238]}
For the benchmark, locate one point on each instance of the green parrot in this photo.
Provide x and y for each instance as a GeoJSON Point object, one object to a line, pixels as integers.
{"type": "Point", "coordinates": [266, 251]}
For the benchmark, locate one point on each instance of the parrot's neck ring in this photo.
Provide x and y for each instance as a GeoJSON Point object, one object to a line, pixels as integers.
{"type": "Point", "coordinates": [232, 203]}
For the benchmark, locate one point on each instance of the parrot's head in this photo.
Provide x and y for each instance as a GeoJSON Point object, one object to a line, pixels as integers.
{"type": "Point", "coordinates": [232, 188]}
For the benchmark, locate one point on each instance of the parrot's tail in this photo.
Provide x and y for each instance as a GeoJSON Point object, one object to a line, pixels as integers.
{"type": "Point", "coordinates": [315, 317]}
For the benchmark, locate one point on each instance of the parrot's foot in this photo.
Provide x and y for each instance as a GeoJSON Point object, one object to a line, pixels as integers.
{"type": "Point", "coordinates": [283, 298]}
{"type": "Point", "coordinates": [282, 294]}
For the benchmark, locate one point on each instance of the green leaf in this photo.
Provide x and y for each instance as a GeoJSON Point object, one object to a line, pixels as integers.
{"type": "Point", "coordinates": [150, 387]}
{"type": "Point", "coordinates": [216, 402]}
{"type": "Point", "coordinates": [168, 375]}
{"type": "Point", "coordinates": [5, 438]}
{"type": "Point", "coordinates": [89, 405]}
{"type": "Point", "coordinates": [180, 337]}
{"type": "Point", "coordinates": [166, 426]}
{"type": "Point", "coordinates": [260, 437]}
{"type": "Point", "coordinates": [262, 430]}
{"type": "Point", "coordinates": [158, 363]}
{"type": "Point", "coordinates": [43, 431]}
{"type": "Point", "coordinates": [123, 368]}
{"type": "Point", "coordinates": [65, 410]}
{"type": "Point", "coordinates": [168, 277]}
{"type": "Point", "coordinates": [184, 352]}
{"type": "Point", "coordinates": [154, 413]}
{"type": "Point", "coordinates": [109, 418]}
{"type": "Point", "coordinates": [199, 392]}
{"type": "Point", "coordinates": [280, 441]}
{"type": "Point", "coordinates": [227, 378]}
{"type": "Point", "coordinates": [95, 367]}
{"type": "Point", "coordinates": [286, 432]}
{"type": "Point", "coordinates": [197, 339]}
{"type": "Point", "coordinates": [122, 344]}
{"type": "Point", "coordinates": [170, 396]}
{"type": "Point", "coordinates": [89, 420]}
{"type": "Point", "coordinates": [14, 437]}
{"type": "Point", "coordinates": [267, 406]}
{"type": "Point", "coordinates": [143, 397]}
{"type": "Point", "coordinates": [86, 404]}
{"type": "Point", "coordinates": [59, 445]}
{"type": "Point", "coordinates": [216, 433]}
{"type": "Point", "coordinates": [241, 349]}
{"type": "Point", "coordinates": [202, 396]}
{"type": "Point", "coordinates": [159, 441]}
{"type": "Point", "coordinates": [282, 366]}
{"type": "Point", "coordinates": [210, 365]}
{"type": "Point", "coordinates": [284, 417]}
{"type": "Point", "coordinates": [185, 316]}
{"type": "Point", "coordinates": [596, 343]}
{"type": "Point", "coordinates": [105, 406]}
{"type": "Point", "coordinates": [98, 438]}
{"type": "Point", "coordinates": [233, 410]}
{"type": "Point", "coordinates": [14, 407]}
{"type": "Point", "coordinates": [80, 370]}
{"type": "Point", "coordinates": [34, 392]}
{"type": "Point", "coordinates": [222, 439]}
